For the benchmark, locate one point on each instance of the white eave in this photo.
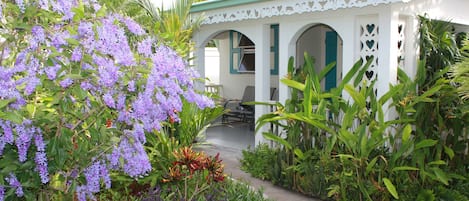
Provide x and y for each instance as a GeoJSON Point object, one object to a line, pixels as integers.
{"type": "Point", "coordinates": [284, 7]}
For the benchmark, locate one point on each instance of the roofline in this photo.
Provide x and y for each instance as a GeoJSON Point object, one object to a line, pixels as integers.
{"type": "Point", "coordinates": [215, 4]}
{"type": "Point", "coordinates": [220, 11]}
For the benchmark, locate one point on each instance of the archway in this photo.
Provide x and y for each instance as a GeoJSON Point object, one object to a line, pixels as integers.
{"type": "Point", "coordinates": [324, 44]}
{"type": "Point", "coordinates": [229, 66]}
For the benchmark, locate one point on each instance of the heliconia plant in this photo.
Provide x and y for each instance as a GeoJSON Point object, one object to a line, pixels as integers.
{"type": "Point", "coordinates": [345, 148]}
{"type": "Point", "coordinates": [77, 98]}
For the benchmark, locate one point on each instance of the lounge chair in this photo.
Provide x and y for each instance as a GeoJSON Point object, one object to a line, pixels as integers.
{"type": "Point", "coordinates": [237, 110]}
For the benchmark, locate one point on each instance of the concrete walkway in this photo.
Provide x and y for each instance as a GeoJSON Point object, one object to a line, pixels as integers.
{"type": "Point", "coordinates": [229, 142]}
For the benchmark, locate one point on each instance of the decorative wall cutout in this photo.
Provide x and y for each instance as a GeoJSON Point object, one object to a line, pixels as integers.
{"type": "Point", "coordinates": [401, 29]}
{"type": "Point", "coordinates": [369, 46]}
{"type": "Point", "coordinates": [368, 38]}
{"type": "Point", "coordinates": [285, 7]}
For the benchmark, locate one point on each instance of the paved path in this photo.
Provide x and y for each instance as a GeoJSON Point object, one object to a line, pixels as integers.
{"type": "Point", "coordinates": [231, 157]}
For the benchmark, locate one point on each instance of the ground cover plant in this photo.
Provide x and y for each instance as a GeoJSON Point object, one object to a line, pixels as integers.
{"type": "Point", "coordinates": [336, 148]}
{"type": "Point", "coordinates": [87, 97]}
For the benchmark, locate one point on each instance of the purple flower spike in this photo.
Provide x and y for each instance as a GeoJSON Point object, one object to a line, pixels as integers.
{"type": "Point", "coordinates": [13, 181]}
{"type": "Point", "coordinates": [2, 193]}
{"type": "Point", "coordinates": [66, 82]}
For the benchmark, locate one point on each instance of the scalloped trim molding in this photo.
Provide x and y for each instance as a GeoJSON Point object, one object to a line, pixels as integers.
{"type": "Point", "coordinates": [285, 7]}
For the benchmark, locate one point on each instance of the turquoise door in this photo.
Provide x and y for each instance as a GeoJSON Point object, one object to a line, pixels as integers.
{"type": "Point", "coordinates": [331, 56]}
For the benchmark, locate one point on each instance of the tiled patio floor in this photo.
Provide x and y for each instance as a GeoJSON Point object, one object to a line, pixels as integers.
{"type": "Point", "coordinates": [236, 136]}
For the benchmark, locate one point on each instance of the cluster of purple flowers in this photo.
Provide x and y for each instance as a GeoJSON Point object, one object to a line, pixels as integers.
{"type": "Point", "coordinates": [94, 174]}
{"type": "Point", "coordinates": [14, 183]}
{"type": "Point", "coordinates": [142, 98]}
{"type": "Point", "coordinates": [25, 133]}
{"type": "Point", "coordinates": [2, 193]}
{"type": "Point", "coordinates": [136, 162]}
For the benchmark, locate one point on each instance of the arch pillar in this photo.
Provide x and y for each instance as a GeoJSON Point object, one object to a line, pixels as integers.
{"type": "Point", "coordinates": [199, 63]}
{"type": "Point", "coordinates": [262, 76]}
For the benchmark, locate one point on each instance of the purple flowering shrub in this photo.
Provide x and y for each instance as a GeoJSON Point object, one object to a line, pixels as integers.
{"type": "Point", "coordinates": [77, 97]}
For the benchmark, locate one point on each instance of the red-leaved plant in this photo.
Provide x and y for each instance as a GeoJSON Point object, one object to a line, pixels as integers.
{"type": "Point", "coordinates": [192, 173]}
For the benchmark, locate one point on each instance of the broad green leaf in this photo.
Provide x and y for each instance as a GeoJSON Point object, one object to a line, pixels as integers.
{"type": "Point", "coordinates": [307, 102]}
{"type": "Point", "coordinates": [351, 73]}
{"type": "Point", "coordinates": [345, 156]}
{"type": "Point", "coordinates": [9, 168]}
{"type": "Point", "coordinates": [406, 133]}
{"type": "Point", "coordinates": [405, 168]}
{"type": "Point", "coordinates": [291, 65]}
{"type": "Point", "coordinates": [30, 108]}
{"type": "Point", "coordinates": [357, 97]}
{"type": "Point", "coordinates": [11, 116]}
{"type": "Point", "coordinates": [326, 70]}
{"type": "Point", "coordinates": [359, 76]}
{"type": "Point", "coordinates": [79, 12]}
{"type": "Point", "coordinates": [425, 143]}
{"type": "Point", "coordinates": [333, 190]}
{"type": "Point", "coordinates": [371, 165]}
{"type": "Point", "coordinates": [430, 92]}
{"type": "Point", "coordinates": [331, 144]}
{"type": "Point", "coordinates": [441, 176]}
{"type": "Point", "coordinates": [299, 153]}
{"type": "Point", "coordinates": [4, 103]}
{"type": "Point", "coordinates": [456, 176]}
{"type": "Point", "coordinates": [278, 139]}
{"type": "Point", "coordinates": [393, 90]}
{"type": "Point", "coordinates": [72, 41]}
{"type": "Point", "coordinates": [313, 119]}
{"type": "Point", "coordinates": [102, 11]}
{"type": "Point", "coordinates": [402, 76]}
{"type": "Point", "coordinates": [449, 152]}
{"type": "Point", "coordinates": [437, 162]}
{"type": "Point", "coordinates": [363, 143]}
{"type": "Point", "coordinates": [390, 187]}
{"type": "Point", "coordinates": [309, 63]}
{"type": "Point", "coordinates": [293, 84]}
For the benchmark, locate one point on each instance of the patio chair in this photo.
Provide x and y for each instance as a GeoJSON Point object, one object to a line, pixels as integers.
{"type": "Point", "coordinates": [237, 110]}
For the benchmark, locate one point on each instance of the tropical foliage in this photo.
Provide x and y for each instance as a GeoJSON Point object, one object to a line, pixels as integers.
{"type": "Point", "coordinates": [88, 99]}
{"type": "Point", "coordinates": [342, 148]}
{"type": "Point", "coordinates": [460, 72]}
{"type": "Point", "coordinates": [173, 25]}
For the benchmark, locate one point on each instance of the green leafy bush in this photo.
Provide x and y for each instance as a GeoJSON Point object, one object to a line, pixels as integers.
{"type": "Point", "coordinates": [356, 153]}
{"type": "Point", "coordinates": [259, 161]}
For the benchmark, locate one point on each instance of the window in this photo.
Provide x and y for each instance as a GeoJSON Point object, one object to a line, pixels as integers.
{"type": "Point", "coordinates": [242, 51]}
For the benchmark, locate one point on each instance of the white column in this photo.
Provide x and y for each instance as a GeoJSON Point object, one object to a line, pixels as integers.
{"type": "Point", "coordinates": [388, 38]}
{"type": "Point", "coordinates": [411, 46]}
{"type": "Point", "coordinates": [286, 50]}
{"type": "Point", "coordinates": [262, 77]}
{"type": "Point", "coordinates": [388, 64]}
{"type": "Point", "coordinates": [199, 62]}
{"type": "Point", "coordinates": [350, 53]}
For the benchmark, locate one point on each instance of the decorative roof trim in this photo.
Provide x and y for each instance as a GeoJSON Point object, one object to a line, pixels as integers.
{"type": "Point", "coordinates": [267, 9]}
{"type": "Point", "coordinates": [216, 4]}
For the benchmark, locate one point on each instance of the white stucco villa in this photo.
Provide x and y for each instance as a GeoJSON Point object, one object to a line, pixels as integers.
{"type": "Point", "coordinates": [255, 39]}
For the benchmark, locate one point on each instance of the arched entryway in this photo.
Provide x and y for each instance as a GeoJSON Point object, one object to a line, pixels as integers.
{"type": "Point", "coordinates": [230, 62]}
{"type": "Point", "coordinates": [324, 44]}
{"type": "Point", "coordinates": [230, 68]}
{"type": "Point", "coordinates": [243, 62]}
